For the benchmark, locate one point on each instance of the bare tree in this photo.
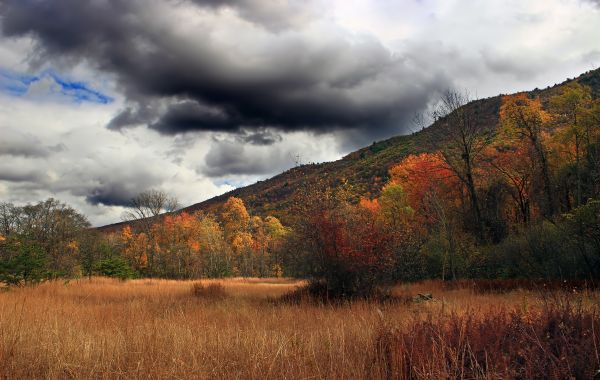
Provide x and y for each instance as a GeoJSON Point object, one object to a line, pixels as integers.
{"type": "Point", "coordinates": [462, 145]}
{"type": "Point", "coordinates": [149, 204]}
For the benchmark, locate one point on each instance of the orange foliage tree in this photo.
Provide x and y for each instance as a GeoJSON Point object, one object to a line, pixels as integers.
{"type": "Point", "coordinates": [524, 118]}
{"type": "Point", "coordinates": [512, 163]}
{"type": "Point", "coordinates": [434, 192]}
{"type": "Point", "coordinates": [430, 186]}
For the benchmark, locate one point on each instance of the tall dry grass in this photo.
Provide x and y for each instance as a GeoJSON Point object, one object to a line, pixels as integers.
{"type": "Point", "coordinates": [103, 328]}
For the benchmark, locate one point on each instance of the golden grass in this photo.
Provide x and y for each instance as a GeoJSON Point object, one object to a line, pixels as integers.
{"type": "Point", "coordinates": [103, 328]}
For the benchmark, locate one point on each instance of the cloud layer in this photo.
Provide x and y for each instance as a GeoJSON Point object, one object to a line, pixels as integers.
{"type": "Point", "coordinates": [232, 65]}
{"type": "Point", "coordinates": [102, 99]}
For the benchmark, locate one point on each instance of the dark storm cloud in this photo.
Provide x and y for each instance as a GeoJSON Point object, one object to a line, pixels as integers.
{"type": "Point", "coordinates": [110, 183]}
{"type": "Point", "coordinates": [132, 116]}
{"type": "Point", "coordinates": [114, 194]}
{"type": "Point", "coordinates": [118, 187]}
{"type": "Point", "coordinates": [190, 116]}
{"type": "Point", "coordinates": [286, 76]}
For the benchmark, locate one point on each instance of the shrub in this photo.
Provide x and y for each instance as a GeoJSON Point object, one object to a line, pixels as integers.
{"type": "Point", "coordinates": [497, 286]}
{"type": "Point", "coordinates": [546, 250]}
{"type": "Point", "coordinates": [583, 228]}
{"type": "Point", "coordinates": [559, 342]}
{"type": "Point", "coordinates": [213, 291]}
{"type": "Point", "coordinates": [354, 255]}
{"type": "Point", "coordinates": [114, 267]}
{"type": "Point", "coordinates": [22, 262]}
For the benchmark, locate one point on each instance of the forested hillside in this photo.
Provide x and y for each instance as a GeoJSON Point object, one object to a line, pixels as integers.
{"type": "Point", "coordinates": [365, 171]}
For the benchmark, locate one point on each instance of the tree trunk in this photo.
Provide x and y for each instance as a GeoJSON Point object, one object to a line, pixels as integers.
{"type": "Point", "coordinates": [474, 201]}
{"type": "Point", "coordinates": [549, 207]}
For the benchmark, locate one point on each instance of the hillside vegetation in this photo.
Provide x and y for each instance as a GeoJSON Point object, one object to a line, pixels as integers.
{"type": "Point", "coordinates": [365, 171]}
{"type": "Point", "coordinates": [505, 187]}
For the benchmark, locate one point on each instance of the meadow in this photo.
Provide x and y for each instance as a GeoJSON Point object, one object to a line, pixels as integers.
{"type": "Point", "coordinates": [106, 328]}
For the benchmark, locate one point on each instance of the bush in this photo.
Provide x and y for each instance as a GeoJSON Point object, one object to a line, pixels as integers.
{"type": "Point", "coordinates": [546, 250]}
{"type": "Point", "coordinates": [582, 226]}
{"type": "Point", "coordinates": [559, 342]}
{"type": "Point", "coordinates": [22, 262]}
{"type": "Point", "coordinates": [545, 287]}
{"type": "Point", "coordinates": [213, 291]}
{"type": "Point", "coordinates": [461, 259]}
{"type": "Point", "coordinates": [114, 267]}
{"type": "Point", "coordinates": [354, 256]}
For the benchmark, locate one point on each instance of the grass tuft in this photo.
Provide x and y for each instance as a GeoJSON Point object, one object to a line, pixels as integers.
{"type": "Point", "coordinates": [213, 291]}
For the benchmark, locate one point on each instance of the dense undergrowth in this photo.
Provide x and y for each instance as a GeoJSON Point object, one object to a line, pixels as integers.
{"type": "Point", "coordinates": [560, 341]}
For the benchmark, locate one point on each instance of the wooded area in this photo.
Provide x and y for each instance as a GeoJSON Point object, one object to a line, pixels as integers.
{"type": "Point", "coordinates": [517, 201]}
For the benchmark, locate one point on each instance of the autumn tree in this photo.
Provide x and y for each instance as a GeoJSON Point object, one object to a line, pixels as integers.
{"type": "Point", "coordinates": [352, 250]}
{"type": "Point", "coordinates": [393, 206]}
{"type": "Point", "coordinates": [214, 250]}
{"type": "Point", "coordinates": [572, 112]}
{"type": "Point", "coordinates": [525, 118]}
{"type": "Point", "coordinates": [431, 189]}
{"type": "Point", "coordinates": [144, 211]}
{"type": "Point", "coordinates": [260, 245]}
{"type": "Point", "coordinates": [512, 162]}
{"type": "Point", "coordinates": [135, 248]}
{"type": "Point", "coordinates": [56, 228]}
{"type": "Point", "coordinates": [255, 242]}
{"type": "Point", "coordinates": [235, 217]}
{"type": "Point", "coordinates": [184, 246]}
{"type": "Point", "coordinates": [175, 241]}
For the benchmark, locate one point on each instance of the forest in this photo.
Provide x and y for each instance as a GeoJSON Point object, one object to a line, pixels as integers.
{"type": "Point", "coordinates": [519, 200]}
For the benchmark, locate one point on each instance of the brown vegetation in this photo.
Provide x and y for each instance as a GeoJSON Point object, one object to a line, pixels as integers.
{"type": "Point", "coordinates": [214, 291]}
{"type": "Point", "coordinates": [559, 342]}
{"type": "Point", "coordinates": [103, 328]}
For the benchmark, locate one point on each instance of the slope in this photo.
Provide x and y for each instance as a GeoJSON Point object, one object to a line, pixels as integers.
{"type": "Point", "coordinates": [363, 172]}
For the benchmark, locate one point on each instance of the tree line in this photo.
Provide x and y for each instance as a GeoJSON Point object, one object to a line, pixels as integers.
{"type": "Point", "coordinates": [516, 200]}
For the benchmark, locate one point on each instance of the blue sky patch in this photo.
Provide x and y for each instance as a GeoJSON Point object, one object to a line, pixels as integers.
{"type": "Point", "coordinates": [49, 84]}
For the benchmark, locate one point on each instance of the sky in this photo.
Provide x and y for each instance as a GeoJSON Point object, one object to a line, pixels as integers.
{"type": "Point", "coordinates": [103, 99]}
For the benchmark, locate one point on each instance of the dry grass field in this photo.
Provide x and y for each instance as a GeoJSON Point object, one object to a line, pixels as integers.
{"type": "Point", "coordinates": [104, 328]}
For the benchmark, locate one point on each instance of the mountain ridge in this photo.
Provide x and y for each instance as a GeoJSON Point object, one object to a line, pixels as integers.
{"type": "Point", "coordinates": [365, 170]}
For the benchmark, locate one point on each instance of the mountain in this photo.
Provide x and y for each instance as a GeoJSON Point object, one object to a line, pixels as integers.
{"type": "Point", "coordinates": [364, 171]}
